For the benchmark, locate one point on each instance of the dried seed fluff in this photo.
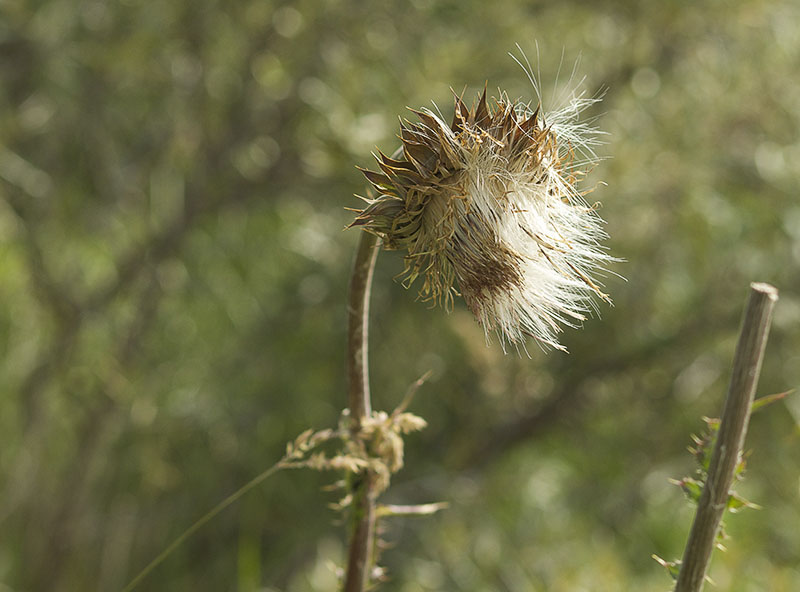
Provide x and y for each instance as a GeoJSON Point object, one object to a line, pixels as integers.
{"type": "Point", "coordinates": [489, 207]}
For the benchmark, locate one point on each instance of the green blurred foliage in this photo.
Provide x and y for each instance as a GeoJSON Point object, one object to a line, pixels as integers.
{"type": "Point", "coordinates": [173, 184]}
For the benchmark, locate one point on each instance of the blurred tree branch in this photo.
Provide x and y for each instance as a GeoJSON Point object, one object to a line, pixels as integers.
{"type": "Point", "coordinates": [569, 393]}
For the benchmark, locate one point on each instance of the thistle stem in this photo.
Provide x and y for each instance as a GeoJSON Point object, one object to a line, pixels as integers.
{"type": "Point", "coordinates": [360, 405]}
{"type": "Point", "coordinates": [730, 438]}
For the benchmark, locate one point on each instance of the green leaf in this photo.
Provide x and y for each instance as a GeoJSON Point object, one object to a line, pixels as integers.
{"type": "Point", "coordinates": [691, 487]}
{"type": "Point", "coordinates": [737, 503]}
{"type": "Point", "coordinates": [672, 567]}
{"type": "Point", "coordinates": [762, 402]}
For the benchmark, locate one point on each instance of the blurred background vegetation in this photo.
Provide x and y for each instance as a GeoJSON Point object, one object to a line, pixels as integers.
{"type": "Point", "coordinates": [173, 184]}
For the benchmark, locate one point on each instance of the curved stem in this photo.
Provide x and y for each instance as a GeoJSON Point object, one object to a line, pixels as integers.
{"type": "Point", "coordinates": [363, 503]}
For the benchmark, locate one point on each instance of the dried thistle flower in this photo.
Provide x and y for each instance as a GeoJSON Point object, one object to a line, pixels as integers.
{"type": "Point", "coordinates": [490, 204]}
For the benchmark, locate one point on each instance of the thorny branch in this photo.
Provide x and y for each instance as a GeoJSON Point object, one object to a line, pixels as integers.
{"type": "Point", "coordinates": [730, 438]}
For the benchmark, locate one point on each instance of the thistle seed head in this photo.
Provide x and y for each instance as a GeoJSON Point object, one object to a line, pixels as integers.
{"type": "Point", "coordinates": [489, 207]}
